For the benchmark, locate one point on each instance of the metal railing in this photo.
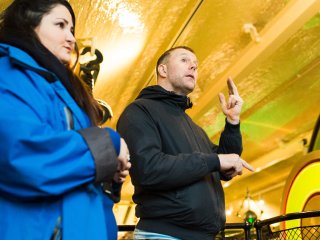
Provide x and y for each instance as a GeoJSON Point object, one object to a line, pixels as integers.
{"type": "Point", "coordinates": [231, 231]}
{"type": "Point", "coordinates": [235, 231]}
{"type": "Point", "coordinates": [302, 231]}
{"type": "Point", "coordinates": [308, 228]}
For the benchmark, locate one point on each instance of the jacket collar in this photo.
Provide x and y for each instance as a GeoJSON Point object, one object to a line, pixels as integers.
{"type": "Point", "coordinates": [22, 59]}
{"type": "Point", "coordinates": [157, 92]}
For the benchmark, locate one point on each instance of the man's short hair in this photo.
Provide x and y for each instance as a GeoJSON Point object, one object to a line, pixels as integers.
{"type": "Point", "coordinates": [167, 53]}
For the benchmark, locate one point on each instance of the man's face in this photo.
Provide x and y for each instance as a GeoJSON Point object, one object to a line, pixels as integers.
{"type": "Point", "coordinates": [182, 71]}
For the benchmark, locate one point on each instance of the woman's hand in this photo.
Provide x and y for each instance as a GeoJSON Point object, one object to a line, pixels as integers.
{"type": "Point", "coordinates": [123, 163]}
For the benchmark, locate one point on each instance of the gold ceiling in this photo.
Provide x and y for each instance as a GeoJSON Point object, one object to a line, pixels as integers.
{"type": "Point", "coordinates": [270, 48]}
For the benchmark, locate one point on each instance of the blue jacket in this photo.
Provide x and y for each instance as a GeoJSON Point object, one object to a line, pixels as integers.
{"type": "Point", "coordinates": [52, 162]}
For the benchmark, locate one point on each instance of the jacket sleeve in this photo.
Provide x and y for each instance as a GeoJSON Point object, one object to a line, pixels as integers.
{"type": "Point", "coordinates": [37, 160]}
{"type": "Point", "coordinates": [153, 169]}
{"type": "Point", "coordinates": [230, 142]}
{"type": "Point", "coordinates": [230, 139]}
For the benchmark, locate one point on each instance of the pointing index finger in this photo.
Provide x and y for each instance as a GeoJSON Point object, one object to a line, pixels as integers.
{"type": "Point", "coordinates": [247, 165]}
{"type": "Point", "coordinates": [232, 87]}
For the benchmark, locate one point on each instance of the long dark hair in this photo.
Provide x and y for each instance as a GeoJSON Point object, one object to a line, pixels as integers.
{"type": "Point", "coordinates": [18, 22]}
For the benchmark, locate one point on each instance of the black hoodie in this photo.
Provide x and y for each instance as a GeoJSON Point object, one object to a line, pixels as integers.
{"type": "Point", "coordinates": [175, 167]}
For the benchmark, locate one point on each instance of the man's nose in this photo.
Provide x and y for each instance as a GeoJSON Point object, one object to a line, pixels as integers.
{"type": "Point", "coordinates": [193, 66]}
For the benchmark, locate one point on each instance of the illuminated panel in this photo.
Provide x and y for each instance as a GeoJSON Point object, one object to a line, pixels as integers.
{"type": "Point", "coordinates": [303, 186]}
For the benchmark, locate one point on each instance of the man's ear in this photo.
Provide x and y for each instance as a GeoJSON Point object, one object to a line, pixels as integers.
{"type": "Point", "coordinates": [162, 70]}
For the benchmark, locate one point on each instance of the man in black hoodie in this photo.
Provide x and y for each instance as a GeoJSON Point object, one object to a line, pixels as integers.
{"type": "Point", "coordinates": [176, 169]}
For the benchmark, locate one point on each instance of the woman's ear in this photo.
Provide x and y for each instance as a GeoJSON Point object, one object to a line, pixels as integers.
{"type": "Point", "coordinates": [162, 70]}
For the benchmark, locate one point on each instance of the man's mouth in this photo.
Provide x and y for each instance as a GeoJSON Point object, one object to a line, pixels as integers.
{"type": "Point", "coordinates": [190, 75]}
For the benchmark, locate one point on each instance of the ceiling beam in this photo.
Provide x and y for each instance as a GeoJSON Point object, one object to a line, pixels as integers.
{"type": "Point", "coordinates": [279, 30]}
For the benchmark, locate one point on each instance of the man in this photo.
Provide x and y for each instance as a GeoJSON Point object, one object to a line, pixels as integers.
{"type": "Point", "coordinates": [176, 170]}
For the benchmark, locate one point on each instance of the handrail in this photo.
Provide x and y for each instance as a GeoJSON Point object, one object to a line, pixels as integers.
{"type": "Point", "coordinates": [126, 228]}
{"type": "Point", "coordinates": [290, 216]}
{"type": "Point", "coordinates": [246, 226]}
{"type": "Point", "coordinates": [286, 217]}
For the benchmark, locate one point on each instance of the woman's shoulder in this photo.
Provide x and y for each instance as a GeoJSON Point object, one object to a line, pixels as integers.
{"type": "Point", "coordinates": [17, 56]}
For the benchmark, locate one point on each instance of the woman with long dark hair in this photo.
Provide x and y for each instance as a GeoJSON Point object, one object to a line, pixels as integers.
{"type": "Point", "coordinates": [59, 171]}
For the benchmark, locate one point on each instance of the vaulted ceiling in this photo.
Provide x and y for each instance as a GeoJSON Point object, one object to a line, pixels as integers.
{"type": "Point", "coordinates": [270, 48]}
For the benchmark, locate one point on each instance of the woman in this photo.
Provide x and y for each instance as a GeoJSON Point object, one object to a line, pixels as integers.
{"type": "Point", "coordinates": [54, 159]}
